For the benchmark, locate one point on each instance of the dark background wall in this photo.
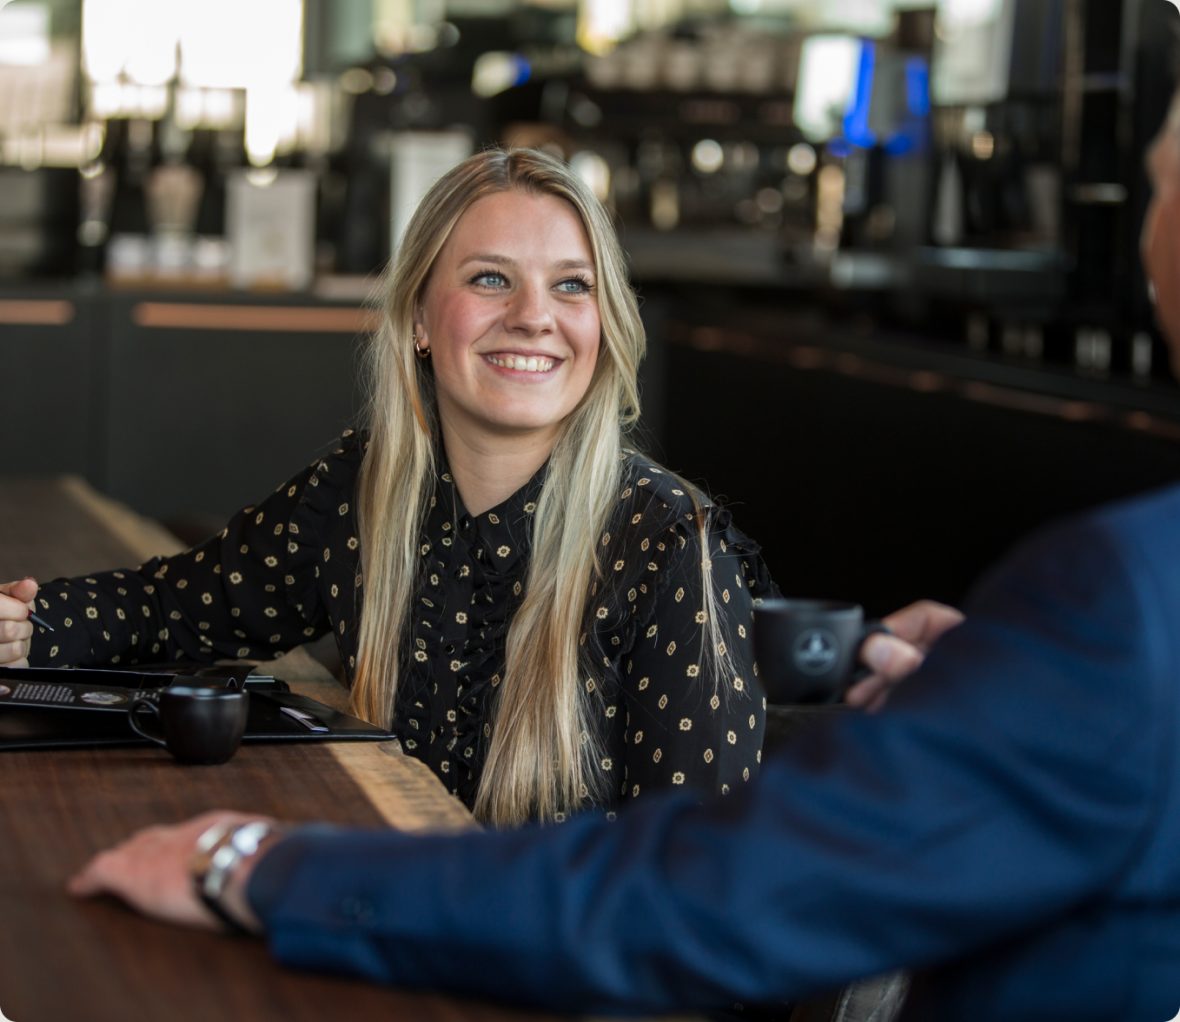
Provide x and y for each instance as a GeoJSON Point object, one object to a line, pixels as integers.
{"type": "Point", "coordinates": [883, 472]}
{"type": "Point", "coordinates": [185, 406]}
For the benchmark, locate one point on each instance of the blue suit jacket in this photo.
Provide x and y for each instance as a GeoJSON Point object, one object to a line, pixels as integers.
{"type": "Point", "coordinates": [1009, 827]}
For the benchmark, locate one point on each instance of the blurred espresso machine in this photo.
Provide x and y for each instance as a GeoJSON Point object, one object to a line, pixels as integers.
{"type": "Point", "coordinates": [1042, 112]}
{"type": "Point", "coordinates": [995, 85]}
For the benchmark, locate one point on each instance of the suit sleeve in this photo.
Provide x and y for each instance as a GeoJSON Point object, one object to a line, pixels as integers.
{"type": "Point", "coordinates": [1004, 785]}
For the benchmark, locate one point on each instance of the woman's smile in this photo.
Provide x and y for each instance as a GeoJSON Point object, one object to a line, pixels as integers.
{"type": "Point", "coordinates": [531, 364]}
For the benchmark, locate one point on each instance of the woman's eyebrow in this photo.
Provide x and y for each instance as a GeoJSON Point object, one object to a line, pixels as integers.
{"type": "Point", "coordinates": [502, 260]}
{"type": "Point", "coordinates": [488, 257]}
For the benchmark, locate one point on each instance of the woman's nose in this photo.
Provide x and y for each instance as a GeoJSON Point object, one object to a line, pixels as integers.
{"type": "Point", "coordinates": [529, 309]}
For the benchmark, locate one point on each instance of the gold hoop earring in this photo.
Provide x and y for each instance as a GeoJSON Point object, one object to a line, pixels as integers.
{"type": "Point", "coordinates": [419, 350]}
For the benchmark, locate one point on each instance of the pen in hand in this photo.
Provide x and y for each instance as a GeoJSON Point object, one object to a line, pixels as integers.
{"type": "Point", "coordinates": [40, 621]}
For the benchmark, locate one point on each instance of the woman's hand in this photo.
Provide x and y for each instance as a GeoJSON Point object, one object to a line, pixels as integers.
{"type": "Point", "coordinates": [151, 871]}
{"type": "Point", "coordinates": [892, 657]}
{"type": "Point", "coordinates": [16, 602]}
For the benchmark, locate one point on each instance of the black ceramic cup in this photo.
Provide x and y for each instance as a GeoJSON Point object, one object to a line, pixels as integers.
{"type": "Point", "coordinates": [196, 723]}
{"type": "Point", "coordinates": [807, 649]}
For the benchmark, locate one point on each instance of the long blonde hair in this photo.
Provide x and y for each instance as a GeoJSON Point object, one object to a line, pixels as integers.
{"type": "Point", "coordinates": [543, 758]}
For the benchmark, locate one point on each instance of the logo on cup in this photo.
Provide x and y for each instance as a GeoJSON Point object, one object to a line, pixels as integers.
{"type": "Point", "coordinates": [815, 651]}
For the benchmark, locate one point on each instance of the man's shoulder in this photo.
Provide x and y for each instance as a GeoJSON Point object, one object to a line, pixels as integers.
{"type": "Point", "coordinates": [1142, 531]}
{"type": "Point", "coordinates": [1157, 511]}
{"type": "Point", "coordinates": [1117, 560]}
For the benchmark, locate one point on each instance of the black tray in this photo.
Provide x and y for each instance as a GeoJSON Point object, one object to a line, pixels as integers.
{"type": "Point", "coordinates": [89, 707]}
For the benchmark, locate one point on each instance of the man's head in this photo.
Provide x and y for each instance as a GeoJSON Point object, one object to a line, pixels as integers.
{"type": "Point", "coordinates": [1161, 229]}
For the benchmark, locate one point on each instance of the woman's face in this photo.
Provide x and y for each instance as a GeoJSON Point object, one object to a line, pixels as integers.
{"type": "Point", "coordinates": [1161, 230]}
{"type": "Point", "coordinates": [510, 314]}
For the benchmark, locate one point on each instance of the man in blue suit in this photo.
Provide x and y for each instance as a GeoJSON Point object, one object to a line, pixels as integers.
{"type": "Point", "coordinates": [1009, 828]}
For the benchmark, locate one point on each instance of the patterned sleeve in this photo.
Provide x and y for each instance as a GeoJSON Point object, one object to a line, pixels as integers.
{"type": "Point", "coordinates": [695, 719]}
{"type": "Point", "coordinates": [238, 595]}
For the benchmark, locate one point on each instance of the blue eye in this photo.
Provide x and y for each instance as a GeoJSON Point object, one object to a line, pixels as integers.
{"type": "Point", "coordinates": [576, 286]}
{"type": "Point", "coordinates": [489, 278]}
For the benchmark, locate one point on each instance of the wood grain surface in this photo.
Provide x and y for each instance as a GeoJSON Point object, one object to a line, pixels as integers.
{"type": "Point", "coordinates": [64, 959]}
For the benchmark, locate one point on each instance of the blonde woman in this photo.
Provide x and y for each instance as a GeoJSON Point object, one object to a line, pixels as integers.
{"type": "Point", "coordinates": [545, 617]}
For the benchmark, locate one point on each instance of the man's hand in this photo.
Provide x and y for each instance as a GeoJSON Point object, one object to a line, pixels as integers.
{"type": "Point", "coordinates": [150, 871]}
{"type": "Point", "coordinates": [892, 657]}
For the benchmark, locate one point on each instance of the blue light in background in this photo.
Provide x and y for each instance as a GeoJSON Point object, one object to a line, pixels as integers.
{"type": "Point", "coordinates": [856, 120]}
{"type": "Point", "coordinates": [917, 86]}
{"type": "Point", "coordinates": [912, 132]}
{"type": "Point", "coordinates": [524, 70]}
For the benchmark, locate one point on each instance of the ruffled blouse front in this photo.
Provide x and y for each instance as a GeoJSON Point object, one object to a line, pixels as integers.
{"type": "Point", "coordinates": [667, 711]}
{"type": "Point", "coordinates": [472, 582]}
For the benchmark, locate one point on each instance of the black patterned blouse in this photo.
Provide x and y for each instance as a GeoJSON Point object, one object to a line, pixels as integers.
{"type": "Point", "coordinates": [288, 570]}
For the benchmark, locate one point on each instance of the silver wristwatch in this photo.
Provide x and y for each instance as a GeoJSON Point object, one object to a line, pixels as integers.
{"type": "Point", "coordinates": [220, 852]}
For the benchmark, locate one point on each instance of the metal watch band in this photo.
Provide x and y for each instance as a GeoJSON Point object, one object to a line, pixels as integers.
{"type": "Point", "coordinates": [219, 853]}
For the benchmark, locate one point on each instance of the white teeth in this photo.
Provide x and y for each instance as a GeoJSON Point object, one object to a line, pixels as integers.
{"type": "Point", "coordinates": [522, 363]}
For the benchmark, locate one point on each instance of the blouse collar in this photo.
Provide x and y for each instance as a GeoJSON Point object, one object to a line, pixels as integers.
{"type": "Point", "coordinates": [504, 532]}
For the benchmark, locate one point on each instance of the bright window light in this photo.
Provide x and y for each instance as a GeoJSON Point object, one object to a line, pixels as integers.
{"type": "Point", "coordinates": [110, 49]}
{"type": "Point", "coordinates": [272, 122]}
{"type": "Point", "coordinates": [24, 34]}
{"type": "Point", "coordinates": [828, 67]}
{"type": "Point", "coordinates": [228, 44]}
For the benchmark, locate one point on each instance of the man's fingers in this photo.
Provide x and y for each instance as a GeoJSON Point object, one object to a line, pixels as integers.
{"type": "Point", "coordinates": [88, 880]}
{"type": "Point", "coordinates": [892, 657]}
{"type": "Point", "coordinates": [870, 694]}
{"type": "Point", "coordinates": [923, 622]}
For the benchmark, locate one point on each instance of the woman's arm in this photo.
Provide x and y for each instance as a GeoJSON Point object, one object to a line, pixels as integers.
{"type": "Point", "coordinates": [227, 597]}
